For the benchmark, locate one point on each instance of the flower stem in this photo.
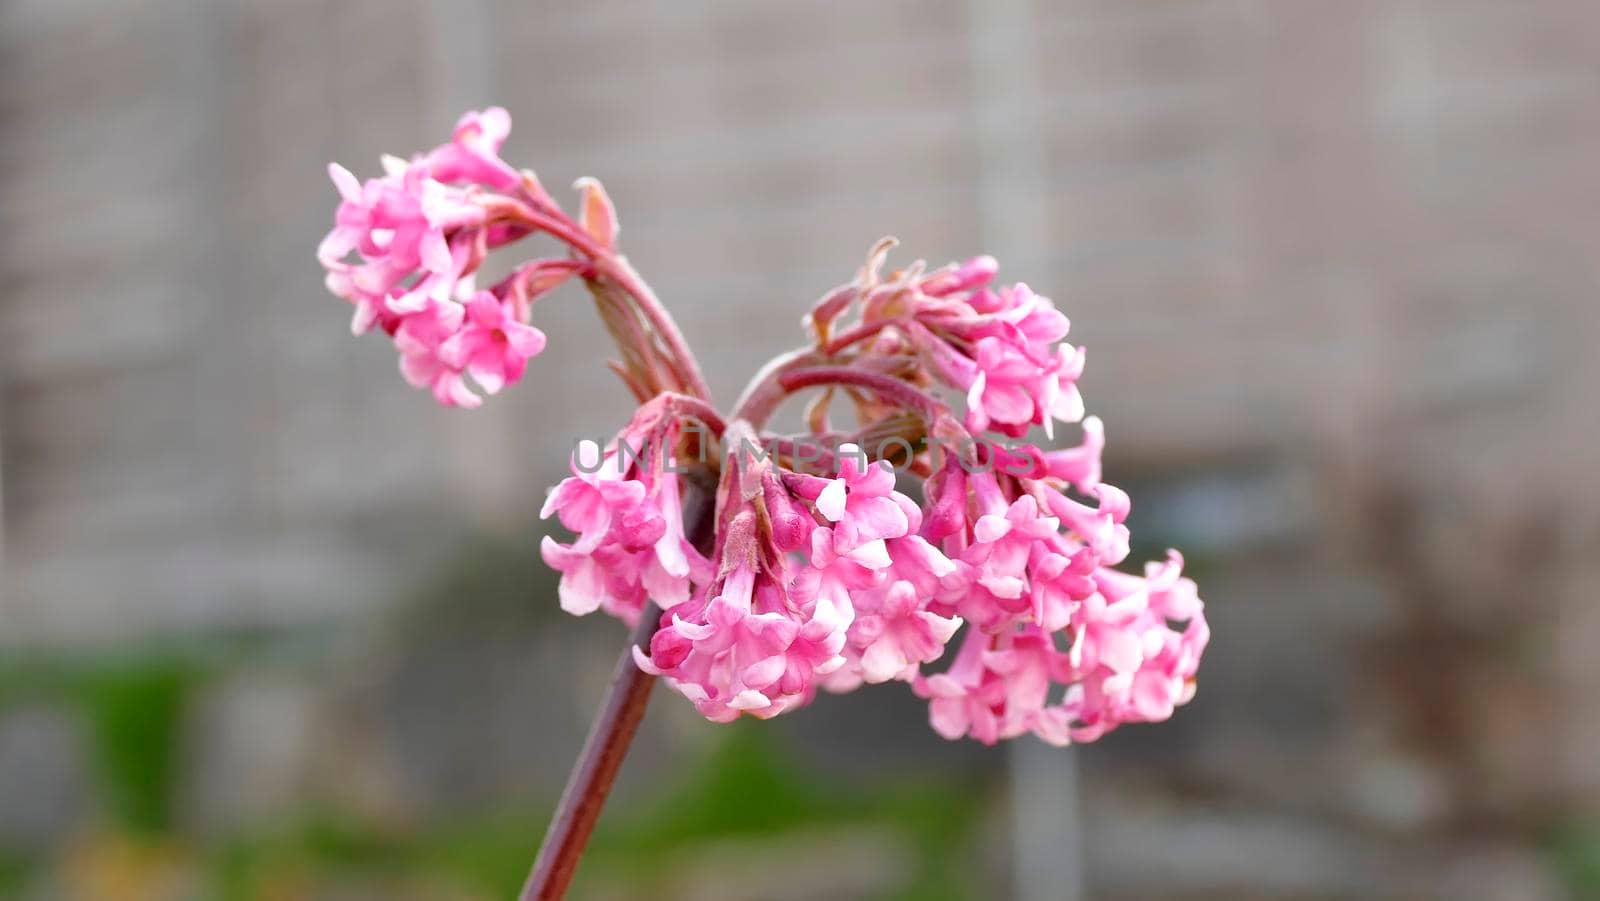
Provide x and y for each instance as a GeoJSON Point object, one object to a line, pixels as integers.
{"type": "Point", "coordinates": [763, 396]}
{"type": "Point", "coordinates": [855, 336]}
{"type": "Point", "coordinates": [886, 387]}
{"type": "Point", "coordinates": [609, 737]}
{"type": "Point", "coordinates": [616, 267]}
{"type": "Point", "coordinates": [596, 769]}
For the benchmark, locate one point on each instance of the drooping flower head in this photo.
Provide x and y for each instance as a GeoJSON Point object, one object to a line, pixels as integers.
{"type": "Point", "coordinates": [1057, 641]}
{"type": "Point", "coordinates": [405, 247]}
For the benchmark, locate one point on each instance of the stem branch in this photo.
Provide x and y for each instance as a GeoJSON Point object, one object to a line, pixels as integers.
{"type": "Point", "coordinates": [619, 270]}
{"type": "Point", "coordinates": [887, 387]}
{"type": "Point", "coordinates": [615, 267]}
{"type": "Point", "coordinates": [763, 396]}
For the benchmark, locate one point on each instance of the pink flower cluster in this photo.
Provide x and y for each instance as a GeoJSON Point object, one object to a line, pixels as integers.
{"type": "Point", "coordinates": [1002, 347]}
{"type": "Point", "coordinates": [625, 504]}
{"type": "Point", "coordinates": [832, 582]}
{"type": "Point", "coordinates": [404, 249]}
{"type": "Point", "coordinates": [1035, 580]}
{"type": "Point", "coordinates": [817, 585]}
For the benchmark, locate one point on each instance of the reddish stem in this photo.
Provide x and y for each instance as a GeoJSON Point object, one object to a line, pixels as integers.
{"type": "Point", "coordinates": [694, 407]}
{"type": "Point", "coordinates": [762, 397]}
{"type": "Point", "coordinates": [887, 387]}
{"type": "Point", "coordinates": [624, 275]}
{"type": "Point", "coordinates": [595, 771]}
{"type": "Point", "coordinates": [855, 335]}
{"type": "Point", "coordinates": [614, 266]}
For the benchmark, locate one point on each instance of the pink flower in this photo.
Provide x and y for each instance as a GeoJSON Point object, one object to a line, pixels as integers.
{"type": "Point", "coordinates": [1111, 635]}
{"type": "Point", "coordinates": [1101, 528]}
{"type": "Point", "coordinates": [1002, 348]}
{"type": "Point", "coordinates": [1125, 664]}
{"type": "Point", "coordinates": [748, 646]}
{"type": "Point", "coordinates": [1138, 668]}
{"type": "Point", "coordinates": [912, 559]}
{"type": "Point", "coordinates": [420, 337]}
{"type": "Point", "coordinates": [864, 513]}
{"type": "Point", "coordinates": [894, 632]}
{"type": "Point", "coordinates": [414, 238]}
{"type": "Point", "coordinates": [1003, 392]}
{"type": "Point", "coordinates": [1059, 579]}
{"type": "Point", "coordinates": [791, 522]}
{"type": "Point", "coordinates": [1129, 664]}
{"type": "Point", "coordinates": [405, 247]}
{"type": "Point", "coordinates": [473, 154]}
{"type": "Point", "coordinates": [851, 552]}
{"type": "Point", "coordinates": [994, 587]}
{"type": "Point", "coordinates": [991, 694]}
{"type": "Point", "coordinates": [1023, 319]}
{"type": "Point", "coordinates": [1033, 582]}
{"type": "Point", "coordinates": [631, 547]}
{"type": "Point", "coordinates": [1139, 677]}
{"type": "Point", "coordinates": [1079, 465]}
{"type": "Point", "coordinates": [954, 279]}
{"type": "Point", "coordinates": [836, 577]}
{"type": "Point", "coordinates": [881, 577]}
{"type": "Point", "coordinates": [1013, 391]}
{"type": "Point", "coordinates": [861, 503]}
{"type": "Point", "coordinates": [895, 626]}
{"type": "Point", "coordinates": [494, 347]}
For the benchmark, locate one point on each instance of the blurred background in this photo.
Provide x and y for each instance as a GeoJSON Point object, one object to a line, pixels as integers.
{"type": "Point", "coordinates": [273, 625]}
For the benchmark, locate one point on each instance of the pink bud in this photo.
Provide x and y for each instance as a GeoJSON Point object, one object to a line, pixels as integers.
{"type": "Point", "coordinates": [973, 273]}
{"type": "Point", "coordinates": [947, 502]}
{"type": "Point", "coordinates": [791, 525]}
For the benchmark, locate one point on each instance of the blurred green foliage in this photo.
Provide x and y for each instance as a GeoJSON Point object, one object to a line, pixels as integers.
{"type": "Point", "coordinates": [137, 716]}
{"type": "Point", "coordinates": [1576, 849]}
{"type": "Point", "coordinates": [134, 706]}
{"type": "Point", "coordinates": [748, 787]}
{"type": "Point", "coordinates": [15, 872]}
